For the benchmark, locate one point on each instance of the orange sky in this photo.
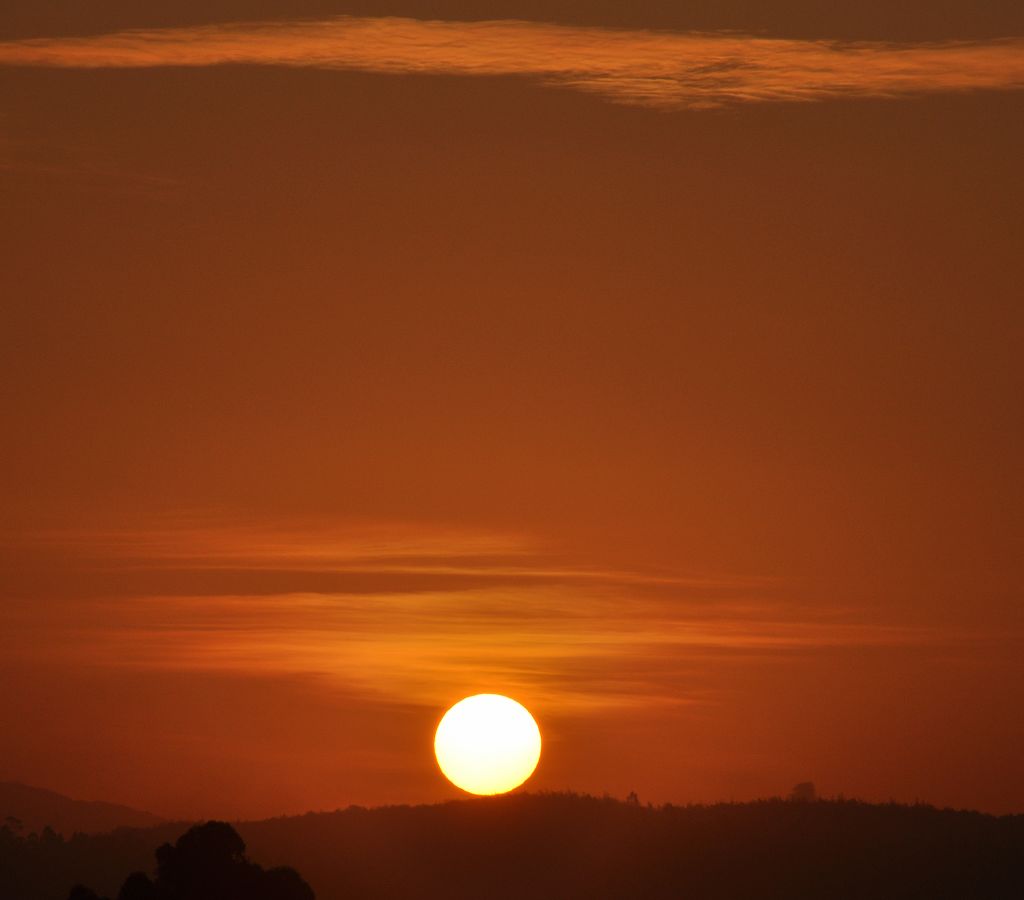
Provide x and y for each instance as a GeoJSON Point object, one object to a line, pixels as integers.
{"type": "Point", "coordinates": [414, 358]}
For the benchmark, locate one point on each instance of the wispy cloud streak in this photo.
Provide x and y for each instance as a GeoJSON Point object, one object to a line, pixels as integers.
{"type": "Point", "coordinates": [473, 611]}
{"type": "Point", "coordinates": [650, 68]}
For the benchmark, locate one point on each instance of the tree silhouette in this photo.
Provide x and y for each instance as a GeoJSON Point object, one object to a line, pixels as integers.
{"type": "Point", "coordinates": [208, 862]}
{"type": "Point", "coordinates": [138, 887]}
{"type": "Point", "coordinates": [13, 824]}
{"type": "Point", "coordinates": [803, 792]}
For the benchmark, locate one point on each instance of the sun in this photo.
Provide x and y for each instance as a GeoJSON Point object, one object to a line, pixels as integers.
{"type": "Point", "coordinates": [487, 744]}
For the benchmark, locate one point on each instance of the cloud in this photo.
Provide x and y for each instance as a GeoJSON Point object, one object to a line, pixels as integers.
{"type": "Point", "coordinates": [648, 68]}
{"type": "Point", "coordinates": [568, 647]}
{"type": "Point", "coordinates": [472, 612]}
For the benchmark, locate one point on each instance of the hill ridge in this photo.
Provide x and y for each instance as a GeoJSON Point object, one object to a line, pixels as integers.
{"type": "Point", "coordinates": [35, 808]}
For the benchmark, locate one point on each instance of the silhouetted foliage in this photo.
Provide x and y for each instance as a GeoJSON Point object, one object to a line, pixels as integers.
{"type": "Point", "coordinates": [804, 792]}
{"type": "Point", "coordinates": [208, 862]}
{"type": "Point", "coordinates": [137, 886]}
{"type": "Point", "coordinates": [13, 824]}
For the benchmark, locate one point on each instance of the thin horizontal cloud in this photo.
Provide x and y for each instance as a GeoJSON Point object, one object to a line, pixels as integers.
{"type": "Point", "coordinates": [154, 558]}
{"type": "Point", "coordinates": [568, 648]}
{"type": "Point", "coordinates": [504, 617]}
{"type": "Point", "coordinates": [649, 68]}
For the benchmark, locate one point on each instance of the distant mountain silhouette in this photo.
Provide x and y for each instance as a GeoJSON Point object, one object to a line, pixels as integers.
{"type": "Point", "coordinates": [567, 846]}
{"type": "Point", "coordinates": [36, 808]}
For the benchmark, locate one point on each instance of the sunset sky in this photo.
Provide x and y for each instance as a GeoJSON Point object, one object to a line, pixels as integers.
{"type": "Point", "coordinates": [656, 364]}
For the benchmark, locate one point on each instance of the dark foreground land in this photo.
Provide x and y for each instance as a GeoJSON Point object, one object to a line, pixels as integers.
{"type": "Point", "coordinates": [567, 846]}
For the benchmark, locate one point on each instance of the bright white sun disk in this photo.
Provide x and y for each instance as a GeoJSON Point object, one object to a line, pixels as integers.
{"type": "Point", "coordinates": [487, 744]}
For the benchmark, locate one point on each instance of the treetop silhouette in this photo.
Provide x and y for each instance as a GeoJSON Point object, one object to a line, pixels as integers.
{"type": "Point", "coordinates": [208, 862]}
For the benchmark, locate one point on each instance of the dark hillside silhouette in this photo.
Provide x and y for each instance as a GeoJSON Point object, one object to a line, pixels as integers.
{"type": "Point", "coordinates": [36, 808]}
{"type": "Point", "coordinates": [208, 862]}
{"type": "Point", "coordinates": [565, 846]}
